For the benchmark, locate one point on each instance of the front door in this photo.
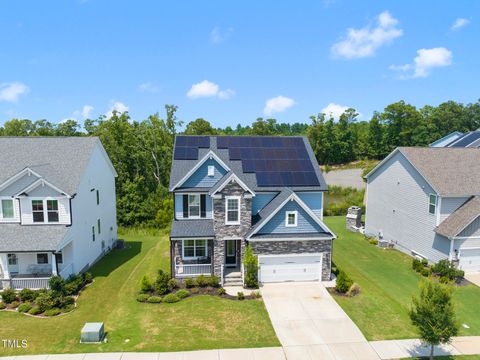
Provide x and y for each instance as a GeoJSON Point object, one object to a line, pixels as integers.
{"type": "Point", "coordinates": [231, 253]}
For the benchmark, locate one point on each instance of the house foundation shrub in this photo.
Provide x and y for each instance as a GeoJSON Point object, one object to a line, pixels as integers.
{"type": "Point", "coordinates": [240, 296]}
{"type": "Point", "coordinates": [161, 283]}
{"type": "Point", "coordinates": [202, 281]}
{"type": "Point", "coordinates": [142, 297]}
{"type": "Point", "coordinates": [354, 290]}
{"type": "Point", "coordinates": [2, 305]}
{"type": "Point", "coordinates": [145, 285]}
{"type": "Point", "coordinates": [189, 283]}
{"type": "Point", "coordinates": [13, 305]}
{"type": "Point", "coordinates": [172, 284]}
{"type": "Point", "coordinates": [27, 295]}
{"type": "Point", "coordinates": [171, 298]}
{"type": "Point", "coordinates": [8, 296]}
{"type": "Point", "coordinates": [25, 307]}
{"type": "Point", "coordinates": [343, 283]}
{"type": "Point", "coordinates": [214, 281]}
{"type": "Point", "coordinates": [250, 262]}
{"type": "Point", "coordinates": [182, 294]}
{"type": "Point", "coordinates": [154, 299]}
{"type": "Point", "coordinates": [35, 311]}
{"type": "Point", "coordinates": [53, 312]}
{"type": "Point", "coordinates": [221, 291]}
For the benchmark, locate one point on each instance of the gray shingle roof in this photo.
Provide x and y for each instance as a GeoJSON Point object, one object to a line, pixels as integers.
{"type": "Point", "coordinates": [192, 228]}
{"type": "Point", "coordinates": [450, 171]}
{"type": "Point", "coordinates": [59, 160]}
{"type": "Point", "coordinates": [16, 237]}
{"type": "Point", "coordinates": [181, 167]}
{"type": "Point", "coordinates": [460, 218]}
{"type": "Point", "coordinates": [220, 182]}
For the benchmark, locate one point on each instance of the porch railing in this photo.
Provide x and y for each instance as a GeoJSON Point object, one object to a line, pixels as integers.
{"type": "Point", "coordinates": [26, 283]}
{"type": "Point", "coordinates": [187, 270]}
{"type": "Point", "coordinates": [66, 271]}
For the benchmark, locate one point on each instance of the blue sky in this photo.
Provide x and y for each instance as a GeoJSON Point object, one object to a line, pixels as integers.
{"type": "Point", "coordinates": [233, 61]}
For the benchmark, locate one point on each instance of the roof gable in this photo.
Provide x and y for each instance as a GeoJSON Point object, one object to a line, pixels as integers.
{"type": "Point", "coordinates": [456, 222]}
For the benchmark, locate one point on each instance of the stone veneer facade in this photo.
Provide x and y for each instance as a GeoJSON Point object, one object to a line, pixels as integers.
{"type": "Point", "coordinates": [223, 231]}
{"type": "Point", "coordinates": [298, 247]}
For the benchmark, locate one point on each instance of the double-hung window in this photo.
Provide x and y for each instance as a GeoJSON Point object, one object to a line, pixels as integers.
{"type": "Point", "coordinates": [291, 218]}
{"type": "Point", "coordinates": [7, 209]}
{"type": "Point", "coordinates": [37, 211]}
{"type": "Point", "coordinates": [432, 203]}
{"type": "Point", "coordinates": [52, 210]}
{"type": "Point", "coordinates": [193, 249]}
{"type": "Point", "coordinates": [42, 259]}
{"type": "Point", "coordinates": [193, 205]}
{"type": "Point", "coordinates": [232, 210]}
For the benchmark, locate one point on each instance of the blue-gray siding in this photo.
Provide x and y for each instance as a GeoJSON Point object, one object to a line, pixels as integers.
{"type": "Point", "coordinates": [449, 204]}
{"type": "Point", "coordinates": [314, 200]}
{"type": "Point", "coordinates": [472, 230]}
{"type": "Point", "coordinates": [305, 223]}
{"type": "Point", "coordinates": [260, 200]}
{"type": "Point", "coordinates": [179, 207]}
{"type": "Point", "coordinates": [397, 206]}
{"type": "Point", "coordinates": [200, 177]}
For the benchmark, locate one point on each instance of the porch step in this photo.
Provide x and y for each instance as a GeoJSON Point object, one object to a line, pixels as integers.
{"type": "Point", "coordinates": [230, 282]}
{"type": "Point", "coordinates": [233, 275]}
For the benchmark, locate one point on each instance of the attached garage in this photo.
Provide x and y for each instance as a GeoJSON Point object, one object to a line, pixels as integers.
{"type": "Point", "coordinates": [290, 267]}
{"type": "Point", "coordinates": [470, 260]}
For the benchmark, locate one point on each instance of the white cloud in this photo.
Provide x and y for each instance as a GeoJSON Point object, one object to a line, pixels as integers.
{"type": "Point", "coordinates": [364, 42]}
{"type": "Point", "coordinates": [424, 62]}
{"type": "Point", "coordinates": [334, 110]}
{"type": "Point", "coordinates": [218, 36]}
{"type": "Point", "coordinates": [459, 23]}
{"type": "Point", "coordinates": [87, 111]}
{"type": "Point", "coordinates": [116, 106]}
{"type": "Point", "coordinates": [277, 104]}
{"type": "Point", "coordinates": [207, 88]}
{"type": "Point", "coordinates": [10, 92]}
{"type": "Point", "coordinates": [148, 87]}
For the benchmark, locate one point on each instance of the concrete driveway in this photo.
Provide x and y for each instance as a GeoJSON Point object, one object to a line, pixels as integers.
{"type": "Point", "coordinates": [311, 325]}
{"type": "Point", "coordinates": [474, 278]}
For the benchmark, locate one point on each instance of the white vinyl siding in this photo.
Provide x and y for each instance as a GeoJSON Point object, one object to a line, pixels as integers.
{"type": "Point", "coordinates": [397, 206]}
{"type": "Point", "coordinates": [449, 204]}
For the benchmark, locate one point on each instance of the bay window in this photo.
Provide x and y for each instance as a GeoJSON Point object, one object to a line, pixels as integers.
{"type": "Point", "coordinates": [194, 249]}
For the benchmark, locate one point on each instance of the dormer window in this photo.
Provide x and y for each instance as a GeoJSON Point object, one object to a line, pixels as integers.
{"type": "Point", "coordinates": [291, 218]}
{"type": "Point", "coordinates": [45, 209]}
{"type": "Point", "coordinates": [7, 209]}
{"type": "Point", "coordinates": [211, 170]}
{"type": "Point", "coordinates": [52, 210]}
{"type": "Point", "coordinates": [37, 211]}
{"type": "Point", "coordinates": [232, 211]}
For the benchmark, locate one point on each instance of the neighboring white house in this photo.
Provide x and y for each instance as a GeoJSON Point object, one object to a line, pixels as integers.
{"type": "Point", "coordinates": [57, 208]}
{"type": "Point", "coordinates": [426, 201]}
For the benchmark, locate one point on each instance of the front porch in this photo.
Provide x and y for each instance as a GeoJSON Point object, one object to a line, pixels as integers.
{"type": "Point", "coordinates": [32, 270]}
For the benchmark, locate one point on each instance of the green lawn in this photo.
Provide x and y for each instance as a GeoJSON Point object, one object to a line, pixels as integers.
{"type": "Point", "coordinates": [201, 322]}
{"type": "Point", "coordinates": [387, 285]}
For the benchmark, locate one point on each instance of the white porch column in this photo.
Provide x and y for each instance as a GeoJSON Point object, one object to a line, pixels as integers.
{"type": "Point", "coordinates": [4, 265]}
{"type": "Point", "coordinates": [54, 264]}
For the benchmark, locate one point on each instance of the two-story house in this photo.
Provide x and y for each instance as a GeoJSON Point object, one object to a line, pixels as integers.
{"type": "Point", "coordinates": [57, 208]}
{"type": "Point", "coordinates": [426, 201]}
{"type": "Point", "coordinates": [263, 191]}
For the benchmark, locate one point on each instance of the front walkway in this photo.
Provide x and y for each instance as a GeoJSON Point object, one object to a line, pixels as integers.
{"type": "Point", "coordinates": [474, 278]}
{"type": "Point", "coordinates": [311, 325]}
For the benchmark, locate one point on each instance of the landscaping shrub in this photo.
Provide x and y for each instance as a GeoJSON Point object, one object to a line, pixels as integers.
{"type": "Point", "coordinates": [240, 296]}
{"type": "Point", "coordinates": [459, 275]}
{"type": "Point", "coordinates": [256, 295]}
{"type": "Point", "coordinates": [154, 299]}
{"type": "Point", "coordinates": [27, 295]}
{"type": "Point", "coordinates": [214, 281]}
{"type": "Point", "coordinates": [57, 285]}
{"type": "Point", "coordinates": [142, 297]}
{"type": "Point", "coordinates": [335, 269]}
{"type": "Point", "coordinates": [145, 285]}
{"type": "Point", "coordinates": [201, 281]}
{"type": "Point", "coordinates": [343, 282]}
{"type": "Point", "coordinates": [444, 268]}
{"type": "Point", "coordinates": [189, 283]}
{"type": "Point", "coordinates": [35, 311]}
{"type": "Point", "coordinates": [171, 298]}
{"type": "Point", "coordinates": [25, 307]}
{"type": "Point", "coordinates": [426, 272]}
{"type": "Point", "coordinates": [53, 312]}
{"type": "Point", "coordinates": [2, 305]}
{"type": "Point", "coordinates": [13, 305]}
{"type": "Point", "coordinates": [172, 284]}
{"type": "Point", "coordinates": [444, 279]}
{"type": "Point", "coordinates": [373, 241]}
{"type": "Point", "coordinates": [354, 290]}
{"type": "Point", "coordinates": [182, 293]}
{"type": "Point", "coordinates": [417, 265]}
{"type": "Point", "coordinates": [161, 283]}
{"type": "Point", "coordinates": [250, 263]}
{"type": "Point", "coordinates": [8, 296]}
{"type": "Point", "coordinates": [87, 277]}
{"type": "Point", "coordinates": [194, 290]}
{"type": "Point", "coordinates": [221, 291]}
{"type": "Point", "coordinates": [45, 301]}
{"type": "Point", "coordinates": [424, 262]}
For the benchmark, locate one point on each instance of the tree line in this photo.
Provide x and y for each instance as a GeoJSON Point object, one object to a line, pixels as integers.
{"type": "Point", "coordinates": [141, 151]}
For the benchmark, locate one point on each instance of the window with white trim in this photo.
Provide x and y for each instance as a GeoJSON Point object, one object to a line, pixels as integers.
{"type": "Point", "coordinates": [12, 259]}
{"type": "Point", "coordinates": [291, 218]}
{"type": "Point", "coordinates": [37, 211]}
{"type": "Point", "coordinates": [7, 211]}
{"type": "Point", "coordinates": [52, 210]}
{"type": "Point", "coordinates": [45, 211]}
{"type": "Point", "coordinates": [42, 259]}
{"type": "Point", "coordinates": [193, 205]}
{"type": "Point", "coordinates": [432, 203]}
{"type": "Point", "coordinates": [211, 170]}
{"type": "Point", "coordinates": [232, 210]}
{"type": "Point", "coordinates": [194, 249]}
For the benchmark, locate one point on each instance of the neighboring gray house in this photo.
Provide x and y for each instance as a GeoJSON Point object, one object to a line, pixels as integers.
{"type": "Point", "coordinates": [426, 201]}
{"type": "Point", "coordinates": [57, 208]}
{"type": "Point", "coordinates": [264, 191]}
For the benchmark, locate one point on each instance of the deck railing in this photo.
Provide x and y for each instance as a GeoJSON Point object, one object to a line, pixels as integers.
{"type": "Point", "coordinates": [187, 270]}
{"type": "Point", "coordinates": [26, 283]}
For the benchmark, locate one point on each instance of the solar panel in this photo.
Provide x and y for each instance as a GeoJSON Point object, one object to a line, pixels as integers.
{"type": "Point", "coordinates": [467, 139]}
{"type": "Point", "coordinates": [186, 147]}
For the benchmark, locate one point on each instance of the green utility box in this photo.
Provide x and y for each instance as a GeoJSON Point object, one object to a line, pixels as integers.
{"type": "Point", "coordinates": [92, 333]}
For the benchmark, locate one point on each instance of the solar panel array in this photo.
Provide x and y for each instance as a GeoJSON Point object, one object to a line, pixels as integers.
{"type": "Point", "coordinates": [276, 161]}
{"type": "Point", "coordinates": [466, 139]}
{"type": "Point", "coordinates": [186, 147]}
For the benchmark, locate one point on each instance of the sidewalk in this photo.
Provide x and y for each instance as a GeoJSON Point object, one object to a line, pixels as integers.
{"type": "Point", "coordinates": [397, 349]}
{"type": "Point", "coordinates": [274, 353]}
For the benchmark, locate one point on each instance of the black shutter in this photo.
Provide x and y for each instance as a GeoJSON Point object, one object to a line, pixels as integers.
{"type": "Point", "coordinates": [185, 206]}
{"type": "Point", "coordinates": [203, 206]}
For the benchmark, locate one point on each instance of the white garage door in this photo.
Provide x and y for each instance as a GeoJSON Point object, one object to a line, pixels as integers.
{"type": "Point", "coordinates": [294, 267]}
{"type": "Point", "coordinates": [470, 260]}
